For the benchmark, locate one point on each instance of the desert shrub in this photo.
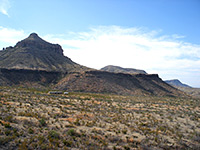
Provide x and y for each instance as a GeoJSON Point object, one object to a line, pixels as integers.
{"type": "Point", "coordinates": [7, 132]}
{"type": "Point", "coordinates": [30, 131]}
{"type": "Point", "coordinates": [23, 146]}
{"type": "Point", "coordinates": [197, 137]}
{"type": "Point", "coordinates": [7, 125]}
{"type": "Point", "coordinates": [4, 140]}
{"type": "Point", "coordinates": [126, 147]}
{"type": "Point", "coordinates": [124, 131]}
{"type": "Point", "coordinates": [53, 134]}
{"type": "Point", "coordinates": [71, 132]}
{"type": "Point", "coordinates": [9, 118]}
{"type": "Point", "coordinates": [44, 146]}
{"type": "Point", "coordinates": [162, 128]}
{"type": "Point", "coordinates": [77, 122]}
{"type": "Point", "coordinates": [28, 114]}
{"type": "Point", "coordinates": [41, 139]}
{"type": "Point", "coordinates": [115, 139]}
{"type": "Point", "coordinates": [67, 143]}
{"type": "Point", "coordinates": [42, 122]}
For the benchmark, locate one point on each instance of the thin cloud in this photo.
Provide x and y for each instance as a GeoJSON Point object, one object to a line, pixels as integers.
{"type": "Point", "coordinates": [9, 37]}
{"type": "Point", "coordinates": [4, 6]}
{"type": "Point", "coordinates": [135, 48]}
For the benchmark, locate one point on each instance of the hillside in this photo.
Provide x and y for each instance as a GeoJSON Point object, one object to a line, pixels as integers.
{"type": "Point", "coordinates": [194, 92]}
{"type": "Point", "coordinates": [33, 53]}
{"type": "Point", "coordinates": [117, 69]}
{"type": "Point", "coordinates": [117, 83]}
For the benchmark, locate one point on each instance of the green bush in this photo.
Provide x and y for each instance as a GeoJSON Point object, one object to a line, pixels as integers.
{"type": "Point", "coordinates": [42, 122]}
{"type": "Point", "coordinates": [53, 134]}
{"type": "Point", "coordinates": [5, 140]}
{"type": "Point", "coordinates": [7, 125]}
{"type": "Point", "coordinates": [30, 131]}
{"type": "Point", "coordinates": [41, 139]}
{"type": "Point", "coordinates": [71, 132]}
{"type": "Point", "coordinates": [67, 143]}
{"type": "Point", "coordinates": [9, 118]}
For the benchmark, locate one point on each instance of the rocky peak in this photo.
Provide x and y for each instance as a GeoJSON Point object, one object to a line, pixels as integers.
{"type": "Point", "coordinates": [33, 42]}
{"type": "Point", "coordinates": [34, 36]}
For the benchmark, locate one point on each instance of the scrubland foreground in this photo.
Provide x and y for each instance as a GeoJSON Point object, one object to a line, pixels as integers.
{"type": "Point", "coordinates": [33, 119]}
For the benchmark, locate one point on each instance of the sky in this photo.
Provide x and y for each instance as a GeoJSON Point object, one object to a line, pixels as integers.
{"type": "Point", "coordinates": [158, 36]}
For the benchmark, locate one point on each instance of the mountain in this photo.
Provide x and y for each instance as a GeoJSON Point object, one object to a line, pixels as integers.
{"type": "Point", "coordinates": [36, 63]}
{"type": "Point", "coordinates": [176, 83]}
{"type": "Point", "coordinates": [33, 53]}
{"type": "Point", "coordinates": [117, 69]}
{"type": "Point", "coordinates": [194, 92]}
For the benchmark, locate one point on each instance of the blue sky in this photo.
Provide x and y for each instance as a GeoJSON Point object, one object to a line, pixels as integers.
{"type": "Point", "coordinates": [159, 36]}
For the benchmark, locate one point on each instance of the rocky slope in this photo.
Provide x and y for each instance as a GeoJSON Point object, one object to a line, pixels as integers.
{"type": "Point", "coordinates": [117, 83]}
{"type": "Point", "coordinates": [117, 69]}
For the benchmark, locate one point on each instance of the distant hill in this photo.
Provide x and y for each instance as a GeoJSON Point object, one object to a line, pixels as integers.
{"type": "Point", "coordinates": [117, 69]}
{"type": "Point", "coordinates": [176, 83]}
{"type": "Point", "coordinates": [194, 92]}
{"type": "Point", "coordinates": [33, 53]}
